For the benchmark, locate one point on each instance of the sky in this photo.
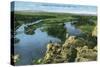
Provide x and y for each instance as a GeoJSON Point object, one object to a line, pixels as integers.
{"type": "Point", "coordinates": [51, 7]}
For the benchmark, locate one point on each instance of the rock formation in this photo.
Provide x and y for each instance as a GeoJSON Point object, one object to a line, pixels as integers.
{"type": "Point", "coordinates": [94, 33]}
{"type": "Point", "coordinates": [69, 52]}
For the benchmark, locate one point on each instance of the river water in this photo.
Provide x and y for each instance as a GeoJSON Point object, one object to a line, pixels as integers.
{"type": "Point", "coordinates": [32, 47]}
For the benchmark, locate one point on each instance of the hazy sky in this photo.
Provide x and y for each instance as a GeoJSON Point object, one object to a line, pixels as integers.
{"type": "Point", "coordinates": [66, 8]}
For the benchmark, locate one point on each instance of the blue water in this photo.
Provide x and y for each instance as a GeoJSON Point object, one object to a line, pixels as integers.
{"type": "Point", "coordinates": [32, 47]}
{"type": "Point", "coordinates": [51, 7]}
{"type": "Point", "coordinates": [71, 29]}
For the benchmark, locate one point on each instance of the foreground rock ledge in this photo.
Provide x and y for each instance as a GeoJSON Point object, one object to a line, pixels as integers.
{"type": "Point", "coordinates": [68, 52]}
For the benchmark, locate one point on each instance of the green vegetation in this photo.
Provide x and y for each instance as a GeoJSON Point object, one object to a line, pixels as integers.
{"type": "Point", "coordinates": [53, 24]}
{"type": "Point", "coordinates": [56, 30]}
{"type": "Point", "coordinates": [15, 58]}
{"type": "Point", "coordinates": [31, 17]}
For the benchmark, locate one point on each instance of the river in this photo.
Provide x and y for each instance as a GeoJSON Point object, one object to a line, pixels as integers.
{"type": "Point", "coordinates": [32, 47]}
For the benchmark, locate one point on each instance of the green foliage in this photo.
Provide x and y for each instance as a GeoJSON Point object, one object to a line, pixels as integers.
{"type": "Point", "coordinates": [53, 24]}
{"type": "Point", "coordinates": [39, 61]}
{"type": "Point", "coordinates": [86, 28]}
{"type": "Point", "coordinates": [56, 30]}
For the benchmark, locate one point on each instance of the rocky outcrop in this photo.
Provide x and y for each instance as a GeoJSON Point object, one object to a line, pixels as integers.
{"type": "Point", "coordinates": [86, 54]}
{"type": "Point", "coordinates": [94, 33]}
{"type": "Point", "coordinates": [69, 52]}
{"type": "Point", "coordinates": [57, 53]}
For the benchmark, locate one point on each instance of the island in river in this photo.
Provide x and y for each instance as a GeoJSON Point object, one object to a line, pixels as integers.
{"type": "Point", "coordinates": [53, 37]}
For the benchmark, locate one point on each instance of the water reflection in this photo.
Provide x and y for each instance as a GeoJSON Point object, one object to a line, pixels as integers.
{"type": "Point", "coordinates": [32, 47]}
{"type": "Point", "coordinates": [71, 29]}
